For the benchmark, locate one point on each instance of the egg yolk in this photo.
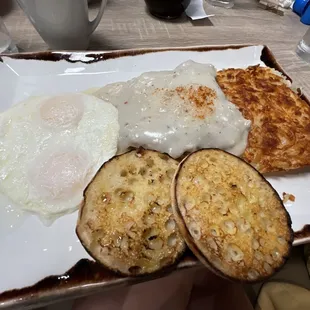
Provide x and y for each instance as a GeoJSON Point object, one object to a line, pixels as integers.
{"type": "Point", "coordinates": [62, 111]}
{"type": "Point", "coordinates": [59, 175]}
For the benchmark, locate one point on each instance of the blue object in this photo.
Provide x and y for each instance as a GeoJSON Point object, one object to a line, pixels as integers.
{"type": "Point", "coordinates": [300, 6]}
{"type": "Point", "coordinates": [305, 18]}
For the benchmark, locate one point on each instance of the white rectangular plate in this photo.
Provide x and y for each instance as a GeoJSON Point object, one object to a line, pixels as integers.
{"type": "Point", "coordinates": [32, 251]}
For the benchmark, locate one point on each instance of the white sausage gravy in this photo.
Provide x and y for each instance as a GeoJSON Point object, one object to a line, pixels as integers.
{"type": "Point", "coordinates": [177, 111]}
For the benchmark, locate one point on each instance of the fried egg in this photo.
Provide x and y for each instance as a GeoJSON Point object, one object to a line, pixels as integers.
{"type": "Point", "coordinates": [51, 147]}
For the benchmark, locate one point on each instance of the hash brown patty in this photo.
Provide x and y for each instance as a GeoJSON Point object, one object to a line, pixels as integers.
{"type": "Point", "coordinates": [279, 138]}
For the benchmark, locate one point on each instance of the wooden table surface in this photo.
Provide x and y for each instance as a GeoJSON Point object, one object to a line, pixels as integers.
{"type": "Point", "coordinates": [126, 24]}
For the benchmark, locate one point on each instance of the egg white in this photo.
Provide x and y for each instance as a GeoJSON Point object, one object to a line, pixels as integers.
{"type": "Point", "coordinates": [51, 147]}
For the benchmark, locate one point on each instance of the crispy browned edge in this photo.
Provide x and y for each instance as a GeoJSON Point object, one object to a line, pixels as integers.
{"type": "Point", "coordinates": [178, 258]}
{"type": "Point", "coordinates": [190, 240]}
{"type": "Point", "coordinates": [87, 276]}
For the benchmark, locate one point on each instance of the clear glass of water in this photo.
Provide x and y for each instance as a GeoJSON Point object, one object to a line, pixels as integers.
{"type": "Point", "coordinates": [303, 47]}
{"type": "Point", "coordinates": [228, 4]}
{"type": "Point", "coordinates": [6, 43]}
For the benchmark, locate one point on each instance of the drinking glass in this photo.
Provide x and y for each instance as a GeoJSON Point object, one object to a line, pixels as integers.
{"type": "Point", "coordinates": [303, 47]}
{"type": "Point", "coordinates": [6, 43]}
{"type": "Point", "coordinates": [167, 9]}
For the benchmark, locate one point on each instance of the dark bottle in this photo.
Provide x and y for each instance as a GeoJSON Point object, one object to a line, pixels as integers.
{"type": "Point", "coordinates": [167, 9]}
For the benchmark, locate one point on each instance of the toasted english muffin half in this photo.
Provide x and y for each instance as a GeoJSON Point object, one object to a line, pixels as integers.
{"type": "Point", "coordinates": [230, 216]}
{"type": "Point", "coordinates": [126, 220]}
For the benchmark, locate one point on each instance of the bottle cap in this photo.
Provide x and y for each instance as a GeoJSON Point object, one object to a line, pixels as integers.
{"type": "Point", "coordinates": [300, 6]}
{"type": "Point", "coordinates": [305, 18]}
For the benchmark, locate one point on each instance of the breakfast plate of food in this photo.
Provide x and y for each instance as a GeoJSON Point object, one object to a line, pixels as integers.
{"type": "Point", "coordinates": [118, 167]}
